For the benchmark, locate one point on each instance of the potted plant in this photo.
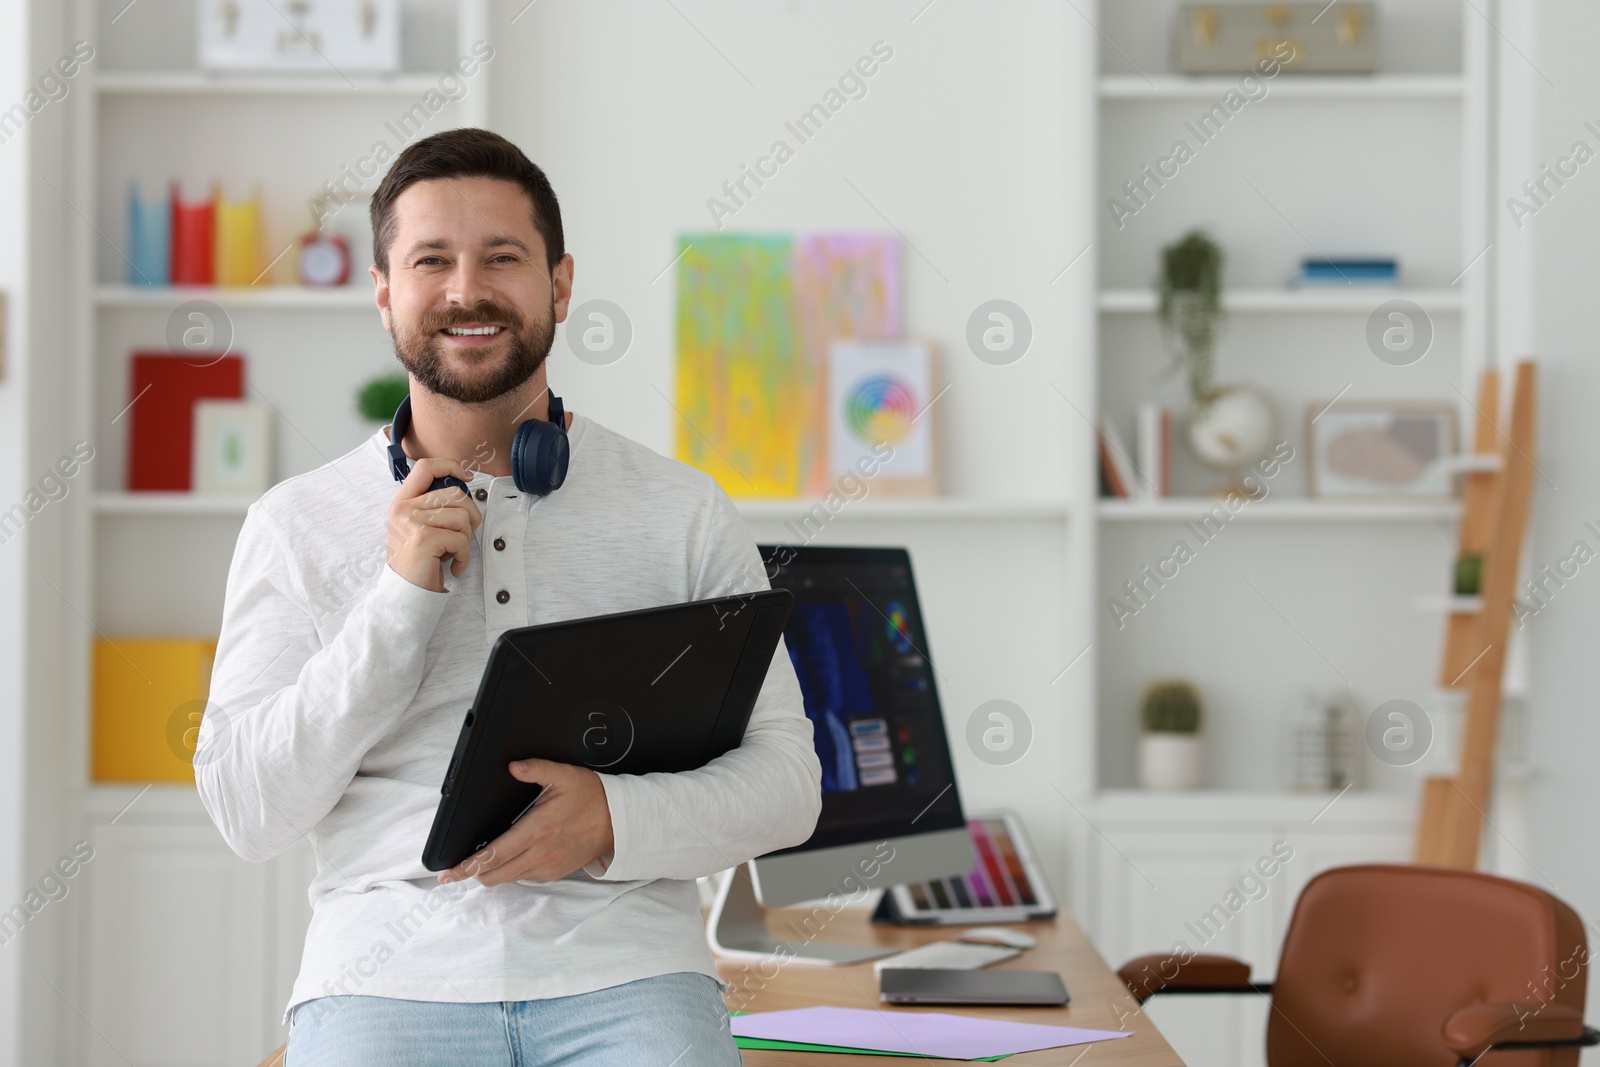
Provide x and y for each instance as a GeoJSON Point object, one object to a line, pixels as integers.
{"type": "Point", "coordinates": [1169, 748]}
{"type": "Point", "coordinates": [1230, 426]}
{"type": "Point", "coordinates": [378, 399]}
{"type": "Point", "coordinates": [1190, 294]}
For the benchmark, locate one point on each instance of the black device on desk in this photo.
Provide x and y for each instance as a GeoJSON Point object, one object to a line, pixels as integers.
{"type": "Point", "coordinates": [660, 689]}
{"type": "Point", "coordinates": [992, 988]}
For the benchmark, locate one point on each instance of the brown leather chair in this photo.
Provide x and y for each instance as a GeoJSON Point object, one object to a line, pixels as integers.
{"type": "Point", "coordinates": [1401, 966]}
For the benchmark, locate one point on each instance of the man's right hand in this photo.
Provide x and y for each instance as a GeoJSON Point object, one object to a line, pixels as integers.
{"type": "Point", "coordinates": [428, 528]}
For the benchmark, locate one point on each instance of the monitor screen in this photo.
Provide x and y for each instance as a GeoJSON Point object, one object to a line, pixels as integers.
{"type": "Point", "coordinates": [861, 653]}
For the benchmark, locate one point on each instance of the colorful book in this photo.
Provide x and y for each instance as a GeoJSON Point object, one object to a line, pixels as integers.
{"type": "Point", "coordinates": [1377, 271]}
{"type": "Point", "coordinates": [148, 699]}
{"type": "Point", "coordinates": [193, 239]}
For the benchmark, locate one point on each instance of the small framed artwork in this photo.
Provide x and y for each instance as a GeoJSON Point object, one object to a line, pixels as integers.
{"type": "Point", "coordinates": [880, 428]}
{"type": "Point", "coordinates": [1381, 450]}
{"type": "Point", "coordinates": [232, 447]}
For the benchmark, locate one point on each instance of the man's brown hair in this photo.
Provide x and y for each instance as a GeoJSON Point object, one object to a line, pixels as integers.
{"type": "Point", "coordinates": [465, 153]}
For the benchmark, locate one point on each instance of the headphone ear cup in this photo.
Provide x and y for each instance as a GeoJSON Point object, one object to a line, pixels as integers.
{"type": "Point", "coordinates": [539, 456]}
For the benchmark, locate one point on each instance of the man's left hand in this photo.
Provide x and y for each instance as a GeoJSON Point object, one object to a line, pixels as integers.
{"type": "Point", "coordinates": [568, 827]}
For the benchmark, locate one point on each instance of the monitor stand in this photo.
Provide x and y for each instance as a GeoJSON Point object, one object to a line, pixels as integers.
{"type": "Point", "coordinates": [737, 929]}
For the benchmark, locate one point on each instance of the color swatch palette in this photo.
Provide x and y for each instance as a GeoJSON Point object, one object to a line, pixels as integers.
{"type": "Point", "coordinates": [998, 881]}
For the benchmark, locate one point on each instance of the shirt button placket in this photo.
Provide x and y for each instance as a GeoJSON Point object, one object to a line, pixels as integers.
{"type": "Point", "coordinates": [493, 573]}
{"type": "Point", "coordinates": [502, 577]}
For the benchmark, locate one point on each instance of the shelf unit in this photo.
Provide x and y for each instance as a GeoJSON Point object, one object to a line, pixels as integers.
{"type": "Point", "coordinates": [229, 957]}
{"type": "Point", "coordinates": [1300, 593]}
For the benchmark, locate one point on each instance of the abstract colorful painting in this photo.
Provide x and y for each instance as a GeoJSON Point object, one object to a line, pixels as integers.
{"type": "Point", "coordinates": [756, 314]}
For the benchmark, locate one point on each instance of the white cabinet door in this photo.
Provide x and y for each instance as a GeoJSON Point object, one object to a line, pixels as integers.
{"type": "Point", "coordinates": [174, 950]}
{"type": "Point", "coordinates": [1158, 890]}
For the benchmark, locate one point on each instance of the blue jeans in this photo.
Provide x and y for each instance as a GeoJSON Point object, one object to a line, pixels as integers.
{"type": "Point", "coordinates": [671, 1020]}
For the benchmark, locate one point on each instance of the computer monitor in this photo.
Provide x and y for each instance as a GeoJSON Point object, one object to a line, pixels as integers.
{"type": "Point", "coordinates": [891, 812]}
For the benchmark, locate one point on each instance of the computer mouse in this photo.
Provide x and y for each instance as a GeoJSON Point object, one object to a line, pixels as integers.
{"type": "Point", "coordinates": [999, 935]}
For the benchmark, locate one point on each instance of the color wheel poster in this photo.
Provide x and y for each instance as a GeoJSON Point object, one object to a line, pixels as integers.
{"type": "Point", "coordinates": [877, 393]}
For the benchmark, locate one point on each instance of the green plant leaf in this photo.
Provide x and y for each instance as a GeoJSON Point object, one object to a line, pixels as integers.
{"type": "Point", "coordinates": [1190, 305]}
{"type": "Point", "coordinates": [379, 397]}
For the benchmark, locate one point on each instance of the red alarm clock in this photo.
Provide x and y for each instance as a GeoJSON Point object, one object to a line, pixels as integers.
{"type": "Point", "coordinates": [323, 260]}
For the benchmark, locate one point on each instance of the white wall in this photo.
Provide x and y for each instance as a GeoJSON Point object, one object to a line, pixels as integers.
{"type": "Point", "coordinates": [1562, 243]}
{"type": "Point", "coordinates": [960, 143]}
{"type": "Point", "coordinates": [964, 142]}
{"type": "Point", "coordinates": [32, 436]}
{"type": "Point", "coordinates": [13, 431]}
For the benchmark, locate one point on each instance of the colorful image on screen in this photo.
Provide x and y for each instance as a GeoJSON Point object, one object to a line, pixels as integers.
{"type": "Point", "coordinates": [899, 627]}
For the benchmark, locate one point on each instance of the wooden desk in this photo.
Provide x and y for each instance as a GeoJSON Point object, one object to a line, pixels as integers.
{"type": "Point", "coordinates": [1099, 999]}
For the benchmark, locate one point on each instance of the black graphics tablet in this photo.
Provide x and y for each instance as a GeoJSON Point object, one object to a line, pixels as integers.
{"type": "Point", "coordinates": [662, 689]}
{"type": "Point", "coordinates": [930, 986]}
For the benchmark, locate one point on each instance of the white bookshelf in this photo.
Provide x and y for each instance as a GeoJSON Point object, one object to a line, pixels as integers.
{"type": "Point", "coordinates": [142, 112]}
{"type": "Point", "coordinates": [1303, 346]}
{"type": "Point", "coordinates": [1298, 593]}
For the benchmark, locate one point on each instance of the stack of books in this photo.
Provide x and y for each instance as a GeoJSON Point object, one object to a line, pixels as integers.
{"type": "Point", "coordinates": [1146, 474]}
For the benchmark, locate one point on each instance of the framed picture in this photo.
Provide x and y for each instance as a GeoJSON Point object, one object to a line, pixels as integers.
{"type": "Point", "coordinates": [880, 426]}
{"type": "Point", "coordinates": [1381, 450]}
{"type": "Point", "coordinates": [232, 447]}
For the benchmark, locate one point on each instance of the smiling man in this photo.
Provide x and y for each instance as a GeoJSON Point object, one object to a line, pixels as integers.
{"type": "Point", "coordinates": [575, 937]}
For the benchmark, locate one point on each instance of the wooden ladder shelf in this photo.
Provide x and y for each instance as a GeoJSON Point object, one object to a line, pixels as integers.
{"type": "Point", "coordinates": [1494, 516]}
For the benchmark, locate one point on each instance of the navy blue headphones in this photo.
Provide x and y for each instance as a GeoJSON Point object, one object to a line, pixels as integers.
{"type": "Point", "coordinates": [539, 451]}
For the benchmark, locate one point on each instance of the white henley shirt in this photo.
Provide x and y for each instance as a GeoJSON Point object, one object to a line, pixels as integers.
{"type": "Point", "coordinates": [339, 688]}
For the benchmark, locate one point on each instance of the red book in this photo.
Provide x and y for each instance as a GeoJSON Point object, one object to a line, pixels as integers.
{"type": "Point", "coordinates": [163, 391]}
{"type": "Point", "coordinates": [193, 234]}
{"type": "Point", "coordinates": [1109, 473]}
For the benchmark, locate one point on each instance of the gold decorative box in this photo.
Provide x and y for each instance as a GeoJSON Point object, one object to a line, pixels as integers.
{"type": "Point", "coordinates": [1317, 38]}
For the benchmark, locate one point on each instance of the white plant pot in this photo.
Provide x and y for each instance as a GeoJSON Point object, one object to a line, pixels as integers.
{"type": "Point", "coordinates": [1170, 761]}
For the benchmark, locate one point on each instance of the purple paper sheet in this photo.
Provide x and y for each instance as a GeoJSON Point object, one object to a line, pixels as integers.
{"type": "Point", "coordinates": [938, 1034]}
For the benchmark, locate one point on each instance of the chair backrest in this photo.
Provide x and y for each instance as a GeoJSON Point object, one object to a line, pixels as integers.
{"type": "Point", "coordinates": [1378, 957]}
